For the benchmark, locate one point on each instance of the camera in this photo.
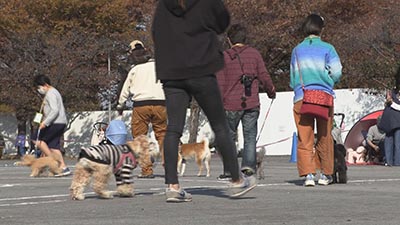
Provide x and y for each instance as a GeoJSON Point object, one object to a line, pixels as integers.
{"type": "Point", "coordinates": [247, 80]}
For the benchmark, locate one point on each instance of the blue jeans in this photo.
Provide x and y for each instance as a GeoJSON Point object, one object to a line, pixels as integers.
{"type": "Point", "coordinates": [392, 148]}
{"type": "Point", "coordinates": [21, 150]}
{"type": "Point", "coordinates": [249, 119]}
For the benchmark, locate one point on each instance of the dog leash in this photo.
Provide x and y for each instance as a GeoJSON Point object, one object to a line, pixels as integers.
{"type": "Point", "coordinates": [265, 119]}
{"type": "Point", "coordinates": [33, 152]}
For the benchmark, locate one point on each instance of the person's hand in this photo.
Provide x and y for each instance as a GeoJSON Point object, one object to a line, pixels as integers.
{"type": "Point", "coordinates": [376, 148]}
{"type": "Point", "coordinates": [272, 96]}
{"type": "Point", "coordinates": [42, 126]}
{"type": "Point", "coordinates": [120, 112]}
{"type": "Point", "coordinates": [389, 99]}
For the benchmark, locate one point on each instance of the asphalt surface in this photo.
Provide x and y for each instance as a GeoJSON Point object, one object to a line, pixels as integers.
{"type": "Point", "coordinates": [372, 196]}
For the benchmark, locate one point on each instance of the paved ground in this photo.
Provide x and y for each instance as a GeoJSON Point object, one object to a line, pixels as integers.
{"type": "Point", "coordinates": [372, 196]}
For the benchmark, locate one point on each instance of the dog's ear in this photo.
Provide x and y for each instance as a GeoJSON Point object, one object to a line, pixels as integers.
{"type": "Point", "coordinates": [139, 145]}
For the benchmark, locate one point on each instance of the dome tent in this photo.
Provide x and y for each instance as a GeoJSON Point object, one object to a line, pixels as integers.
{"type": "Point", "coordinates": [358, 132]}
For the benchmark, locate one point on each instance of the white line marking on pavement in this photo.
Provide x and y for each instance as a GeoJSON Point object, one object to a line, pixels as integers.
{"type": "Point", "coordinates": [374, 180]}
{"type": "Point", "coordinates": [31, 203]}
{"type": "Point", "coordinates": [144, 192]}
{"type": "Point", "coordinates": [9, 185]}
{"type": "Point", "coordinates": [32, 197]}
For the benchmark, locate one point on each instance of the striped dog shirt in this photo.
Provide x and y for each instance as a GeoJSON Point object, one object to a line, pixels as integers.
{"type": "Point", "coordinates": [119, 157]}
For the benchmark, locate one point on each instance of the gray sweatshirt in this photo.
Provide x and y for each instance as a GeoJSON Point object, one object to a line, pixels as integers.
{"type": "Point", "coordinates": [53, 110]}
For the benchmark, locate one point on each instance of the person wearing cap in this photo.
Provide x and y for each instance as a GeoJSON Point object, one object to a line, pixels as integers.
{"type": "Point", "coordinates": [135, 45]}
{"type": "Point", "coordinates": [148, 99]}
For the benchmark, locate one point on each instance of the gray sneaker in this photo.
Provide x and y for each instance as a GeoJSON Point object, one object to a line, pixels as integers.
{"type": "Point", "coordinates": [325, 179]}
{"type": "Point", "coordinates": [309, 181]}
{"type": "Point", "coordinates": [178, 196]}
{"type": "Point", "coordinates": [237, 190]}
{"type": "Point", "coordinates": [65, 172]}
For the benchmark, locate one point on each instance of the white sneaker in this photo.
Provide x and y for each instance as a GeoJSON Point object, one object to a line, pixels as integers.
{"type": "Point", "coordinates": [325, 179]}
{"type": "Point", "coordinates": [309, 182]}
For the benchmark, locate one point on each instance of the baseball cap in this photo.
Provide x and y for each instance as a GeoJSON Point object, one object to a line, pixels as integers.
{"type": "Point", "coordinates": [136, 44]}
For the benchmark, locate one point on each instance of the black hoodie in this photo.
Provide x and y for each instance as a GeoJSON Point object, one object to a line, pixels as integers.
{"type": "Point", "coordinates": [185, 39]}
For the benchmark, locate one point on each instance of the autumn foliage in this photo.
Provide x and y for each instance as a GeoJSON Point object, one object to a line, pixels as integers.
{"type": "Point", "coordinates": [75, 42]}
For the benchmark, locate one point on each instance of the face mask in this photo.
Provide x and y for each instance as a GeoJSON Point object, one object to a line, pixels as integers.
{"type": "Point", "coordinates": [41, 90]}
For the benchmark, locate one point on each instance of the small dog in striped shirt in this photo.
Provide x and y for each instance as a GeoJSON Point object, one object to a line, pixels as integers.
{"type": "Point", "coordinates": [118, 157]}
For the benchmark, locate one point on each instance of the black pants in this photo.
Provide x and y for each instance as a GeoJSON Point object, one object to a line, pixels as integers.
{"type": "Point", "coordinates": [206, 92]}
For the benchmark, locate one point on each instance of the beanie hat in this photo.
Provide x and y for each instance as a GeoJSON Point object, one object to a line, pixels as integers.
{"type": "Point", "coordinates": [116, 132]}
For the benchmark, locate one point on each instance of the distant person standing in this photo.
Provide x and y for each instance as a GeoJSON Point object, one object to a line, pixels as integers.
{"type": "Point", "coordinates": [20, 144]}
{"type": "Point", "coordinates": [188, 54]}
{"type": "Point", "coordinates": [148, 100]}
{"type": "Point", "coordinates": [315, 65]}
{"type": "Point", "coordinates": [390, 124]}
{"type": "Point", "coordinates": [53, 123]}
{"type": "Point", "coordinates": [239, 84]}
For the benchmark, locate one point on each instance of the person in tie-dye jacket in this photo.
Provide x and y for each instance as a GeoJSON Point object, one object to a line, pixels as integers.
{"type": "Point", "coordinates": [320, 69]}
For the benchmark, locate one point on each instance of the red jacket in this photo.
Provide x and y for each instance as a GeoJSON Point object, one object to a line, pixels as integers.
{"type": "Point", "coordinates": [229, 78]}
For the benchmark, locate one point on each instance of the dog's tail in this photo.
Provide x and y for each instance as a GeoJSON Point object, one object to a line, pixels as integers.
{"type": "Point", "coordinates": [154, 152]}
{"type": "Point", "coordinates": [206, 142]}
{"type": "Point", "coordinates": [207, 150]}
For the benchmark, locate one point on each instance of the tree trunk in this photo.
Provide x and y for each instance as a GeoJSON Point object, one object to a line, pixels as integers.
{"type": "Point", "coordinates": [193, 121]}
{"type": "Point", "coordinates": [21, 116]}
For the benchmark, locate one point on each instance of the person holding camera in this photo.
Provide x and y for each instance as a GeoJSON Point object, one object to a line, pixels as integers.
{"type": "Point", "coordinates": [239, 83]}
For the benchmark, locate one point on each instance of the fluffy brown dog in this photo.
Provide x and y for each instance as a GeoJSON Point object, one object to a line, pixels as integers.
{"type": "Point", "coordinates": [39, 165]}
{"type": "Point", "coordinates": [200, 151]}
{"type": "Point", "coordinates": [119, 160]}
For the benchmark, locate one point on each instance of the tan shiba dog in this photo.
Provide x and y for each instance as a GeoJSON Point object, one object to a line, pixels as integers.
{"type": "Point", "coordinates": [39, 165]}
{"type": "Point", "coordinates": [200, 151]}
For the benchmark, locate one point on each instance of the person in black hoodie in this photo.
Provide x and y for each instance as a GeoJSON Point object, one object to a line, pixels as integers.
{"type": "Point", "coordinates": [188, 54]}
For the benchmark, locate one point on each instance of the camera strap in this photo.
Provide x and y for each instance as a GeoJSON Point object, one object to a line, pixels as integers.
{"type": "Point", "coordinates": [240, 61]}
{"type": "Point", "coordinates": [237, 54]}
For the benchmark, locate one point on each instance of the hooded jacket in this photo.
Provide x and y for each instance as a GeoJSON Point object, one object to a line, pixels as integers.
{"type": "Point", "coordinates": [185, 39]}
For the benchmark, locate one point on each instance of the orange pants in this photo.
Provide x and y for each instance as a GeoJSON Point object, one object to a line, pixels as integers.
{"type": "Point", "coordinates": [142, 117]}
{"type": "Point", "coordinates": [309, 159]}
